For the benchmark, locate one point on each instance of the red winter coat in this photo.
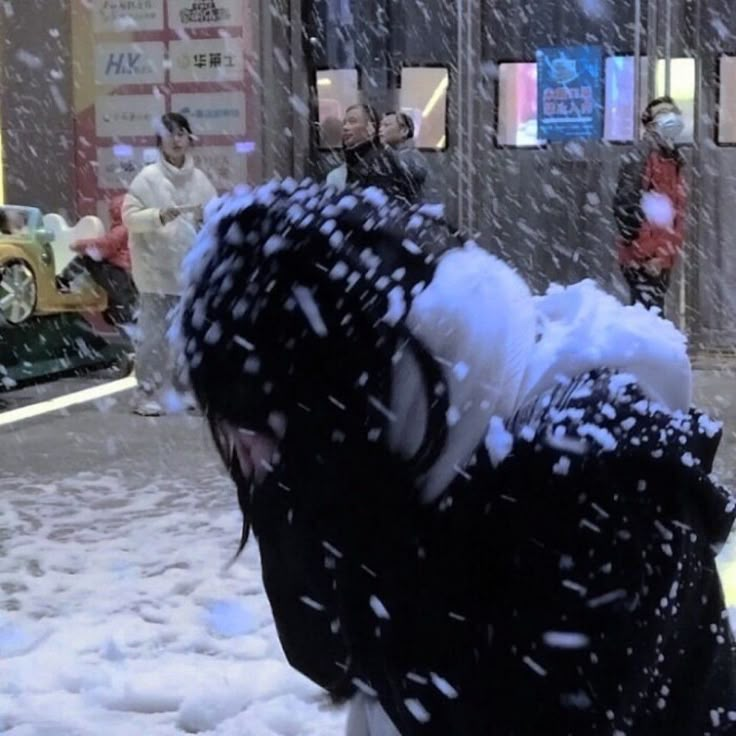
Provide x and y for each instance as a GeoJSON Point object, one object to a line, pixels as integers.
{"type": "Point", "coordinates": [113, 246]}
{"type": "Point", "coordinates": [650, 169]}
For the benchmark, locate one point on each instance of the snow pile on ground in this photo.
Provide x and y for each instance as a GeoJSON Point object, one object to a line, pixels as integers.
{"type": "Point", "coordinates": [119, 615]}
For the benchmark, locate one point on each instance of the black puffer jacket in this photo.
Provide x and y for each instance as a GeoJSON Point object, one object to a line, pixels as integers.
{"type": "Point", "coordinates": [373, 165]}
{"type": "Point", "coordinates": [569, 590]}
{"type": "Point", "coordinates": [572, 590]}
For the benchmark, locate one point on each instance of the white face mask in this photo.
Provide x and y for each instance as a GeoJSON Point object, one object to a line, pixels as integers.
{"type": "Point", "coordinates": [669, 125]}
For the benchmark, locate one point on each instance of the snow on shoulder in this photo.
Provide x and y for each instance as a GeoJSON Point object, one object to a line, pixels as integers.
{"type": "Point", "coordinates": [581, 328]}
{"type": "Point", "coordinates": [477, 319]}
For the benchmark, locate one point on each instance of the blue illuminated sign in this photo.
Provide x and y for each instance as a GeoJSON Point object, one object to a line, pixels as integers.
{"type": "Point", "coordinates": [570, 90]}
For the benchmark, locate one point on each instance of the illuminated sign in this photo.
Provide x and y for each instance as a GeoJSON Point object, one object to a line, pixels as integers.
{"type": "Point", "coordinates": [212, 113]}
{"type": "Point", "coordinates": [126, 63]}
{"type": "Point", "coordinates": [127, 115]}
{"type": "Point", "coordinates": [128, 15]}
{"type": "Point", "coordinates": [205, 13]}
{"type": "Point", "coordinates": [207, 60]}
{"type": "Point", "coordinates": [570, 89]}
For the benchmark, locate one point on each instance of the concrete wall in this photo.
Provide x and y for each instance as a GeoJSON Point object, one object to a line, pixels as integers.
{"type": "Point", "coordinates": [36, 103]}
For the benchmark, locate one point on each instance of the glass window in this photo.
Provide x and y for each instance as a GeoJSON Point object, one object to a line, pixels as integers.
{"type": "Point", "coordinates": [620, 94]}
{"type": "Point", "coordinates": [727, 101]}
{"type": "Point", "coordinates": [423, 96]}
{"type": "Point", "coordinates": [337, 89]}
{"type": "Point", "coordinates": [2, 172]}
{"type": "Point", "coordinates": [517, 105]}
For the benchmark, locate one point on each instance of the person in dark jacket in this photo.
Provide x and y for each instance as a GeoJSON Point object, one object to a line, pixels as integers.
{"type": "Point", "coordinates": [106, 260]}
{"type": "Point", "coordinates": [367, 162]}
{"type": "Point", "coordinates": [5, 228]}
{"type": "Point", "coordinates": [465, 523]}
{"type": "Point", "coordinates": [397, 132]}
{"type": "Point", "coordinates": [649, 206]}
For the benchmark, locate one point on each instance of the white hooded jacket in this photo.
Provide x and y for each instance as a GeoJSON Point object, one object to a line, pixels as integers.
{"type": "Point", "coordinates": [157, 250]}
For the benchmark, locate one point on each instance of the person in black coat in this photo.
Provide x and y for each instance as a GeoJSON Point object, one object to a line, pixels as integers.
{"type": "Point", "coordinates": [562, 582]}
{"type": "Point", "coordinates": [397, 132]}
{"type": "Point", "coordinates": [368, 163]}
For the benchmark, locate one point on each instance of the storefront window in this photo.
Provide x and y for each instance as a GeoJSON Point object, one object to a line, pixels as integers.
{"type": "Point", "coordinates": [424, 97]}
{"type": "Point", "coordinates": [517, 105]}
{"type": "Point", "coordinates": [621, 93]}
{"type": "Point", "coordinates": [727, 100]}
{"type": "Point", "coordinates": [2, 168]}
{"type": "Point", "coordinates": [337, 90]}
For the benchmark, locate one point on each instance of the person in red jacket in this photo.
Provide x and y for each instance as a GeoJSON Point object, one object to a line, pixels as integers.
{"type": "Point", "coordinates": [106, 261]}
{"type": "Point", "coordinates": [649, 206]}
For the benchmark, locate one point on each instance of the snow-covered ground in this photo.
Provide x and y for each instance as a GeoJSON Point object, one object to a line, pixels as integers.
{"type": "Point", "coordinates": [119, 614]}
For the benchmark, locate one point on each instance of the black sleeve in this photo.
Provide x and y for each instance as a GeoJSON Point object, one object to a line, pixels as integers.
{"type": "Point", "coordinates": [627, 210]}
{"type": "Point", "coordinates": [413, 163]}
{"type": "Point", "coordinates": [617, 522]}
{"type": "Point", "coordinates": [386, 172]}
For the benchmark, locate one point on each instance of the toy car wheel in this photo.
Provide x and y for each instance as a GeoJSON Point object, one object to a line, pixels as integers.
{"type": "Point", "coordinates": [18, 292]}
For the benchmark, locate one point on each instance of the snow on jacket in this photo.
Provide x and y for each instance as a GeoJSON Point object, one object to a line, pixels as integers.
{"type": "Point", "coordinates": [649, 206]}
{"type": "Point", "coordinates": [157, 250]}
{"type": "Point", "coordinates": [113, 246]}
{"type": "Point", "coordinates": [414, 164]}
{"type": "Point", "coordinates": [371, 165]}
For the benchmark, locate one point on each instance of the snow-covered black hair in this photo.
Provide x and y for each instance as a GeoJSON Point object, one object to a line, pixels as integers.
{"type": "Point", "coordinates": [296, 304]}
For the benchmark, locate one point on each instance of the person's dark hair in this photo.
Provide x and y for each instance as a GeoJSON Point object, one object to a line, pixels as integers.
{"type": "Point", "coordinates": [171, 121]}
{"type": "Point", "coordinates": [330, 130]}
{"type": "Point", "coordinates": [648, 114]}
{"type": "Point", "coordinates": [405, 121]}
{"type": "Point", "coordinates": [371, 113]}
{"type": "Point", "coordinates": [4, 223]}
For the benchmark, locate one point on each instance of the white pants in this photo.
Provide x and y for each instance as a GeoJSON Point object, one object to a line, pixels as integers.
{"type": "Point", "coordinates": [154, 362]}
{"type": "Point", "coordinates": [367, 718]}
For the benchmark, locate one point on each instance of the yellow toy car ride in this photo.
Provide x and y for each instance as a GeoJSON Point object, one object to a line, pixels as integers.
{"type": "Point", "coordinates": [29, 283]}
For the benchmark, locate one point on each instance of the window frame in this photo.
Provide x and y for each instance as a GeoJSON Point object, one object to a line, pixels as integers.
{"type": "Point", "coordinates": [399, 78]}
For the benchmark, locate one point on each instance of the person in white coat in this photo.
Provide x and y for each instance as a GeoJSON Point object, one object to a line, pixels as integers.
{"type": "Point", "coordinates": [162, 211]}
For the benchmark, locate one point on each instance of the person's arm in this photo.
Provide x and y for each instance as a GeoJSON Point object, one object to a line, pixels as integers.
{"type": "Point", "coordinates": [139, 218]}
{"type": "Point", "coordinates": [386, 172]}
{"type": "Point", "coordinates": [627, 210]}
{"type": "Point", "coordinates": [105, 247]}
{"type": "Point", "coordinates": [415, 165]}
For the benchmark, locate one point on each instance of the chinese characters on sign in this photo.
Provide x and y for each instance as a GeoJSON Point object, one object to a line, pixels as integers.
{"type": "Point", "coordinates": [128, 15]}
{"type": "Point", "coordinates": [213, 113]}
{"type": "Point", "coordinates": [127, 115]}
{"type": "Point", "coordinates": [570, 90]}
{"type": "Point", "coordinates": [207, 60]}
{"type": "Point", "coordinates": [147, 63]}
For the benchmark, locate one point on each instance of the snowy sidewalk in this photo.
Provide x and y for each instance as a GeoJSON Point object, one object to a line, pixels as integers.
{"type": "Point", "coordinates": [118, 613]}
